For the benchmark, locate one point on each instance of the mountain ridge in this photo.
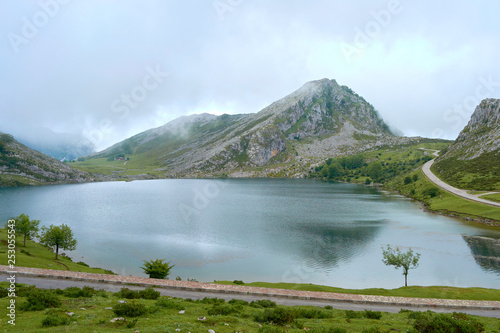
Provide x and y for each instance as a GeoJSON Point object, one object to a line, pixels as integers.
{"type": "Point", "coordinates": [321, 119]}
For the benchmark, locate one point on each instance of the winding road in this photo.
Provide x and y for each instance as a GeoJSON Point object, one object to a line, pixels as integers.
{"type": "Point", "coordinates": [426, 168]}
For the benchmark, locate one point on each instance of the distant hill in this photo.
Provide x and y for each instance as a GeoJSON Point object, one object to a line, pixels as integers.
{"type": "Point", "coordinates": [473, 160]}
{"type": "Point", "coordinates": [320, 120]}
{"type": "Point", "coordinates": [62, 146]}
{"type": "Point", "coordinates": [21, 165]}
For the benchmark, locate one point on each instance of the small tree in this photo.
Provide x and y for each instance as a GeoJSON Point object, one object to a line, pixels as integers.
{"type": "Point", "coordinates": [58, 237]}
{"type": "Point", "coordinates": [157, 269]}
{"type": "Point", "coordinates": [26, 227]}
{"type": "Point", "coordinates": [407, 260]}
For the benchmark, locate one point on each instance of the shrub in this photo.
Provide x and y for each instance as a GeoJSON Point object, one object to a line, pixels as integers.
{"type": "Point", "coordinates": [312, 313]}
{"type": "Point", "coordinates": [279, 316]}
{"type": "Point", "coordinates": [157, 269]}
{"type": "Point", "coordinates": [407, 180]}
{"type": "Point", "coordinates": [223, 310]}
{"type": "Point", "coordinates": [351, 314]}
{"type": "Point", "coordinates": [238, 302]}
{"type": "Point", "coordinates": [149, 293]}
{"type": "Point", "coordinates": [263, 303]}
{"type": "Point", "coordinates": [128, 294]}
{"type": "Point", "coordinates": [75, 292]}
{"type": "Point", "coordinates": [213, 300]}
{"type": "Point", "coordinates": [372, 314]}
{"type": "Point", "coordinates": [40, 299]}
{"type": "Point", "coordinates": [131, 309]}
{"type": "Point", "coordinates": [457, 322]}
{"type": "Point", "coordinates": [55, 320]}
{"type": "Point", "coordinates": [371, 330]}
{"type": "Point", "coordinates": [169, 303]}
{"type": "Point", "coordinates": [238, 282]}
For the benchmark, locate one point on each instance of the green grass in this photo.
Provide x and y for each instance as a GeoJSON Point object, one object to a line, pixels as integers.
{"type": "Point", "coordinates": [443, 202]}
{"type": "Point", "coordinates": [441, 292]}
{"type": "Point", "coordinates": [492, 197]}
{"type": "Point", "coordinates": [39, 256]}
{"type": "Point", "coordinates": [162, 315]}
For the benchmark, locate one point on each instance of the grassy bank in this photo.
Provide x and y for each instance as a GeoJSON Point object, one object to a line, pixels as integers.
{"type": "Point", "coordinates": [440, 201]}
{"type": "Point", "coordinates": [479, 294]}
{"type": "Point", "coordinates": [87, 310]}
{"type": "Point", "coordinates": [36, 255]}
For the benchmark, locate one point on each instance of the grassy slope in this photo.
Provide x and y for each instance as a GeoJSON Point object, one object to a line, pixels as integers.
{"type": "Point", "coordinates": [90, 315]}
{"type": "Point", "coordinates": [40, 257]}
{"type": "Point", "coordinates": [481, 173]}
{"type": "Point", "coordinates": [492, 197]}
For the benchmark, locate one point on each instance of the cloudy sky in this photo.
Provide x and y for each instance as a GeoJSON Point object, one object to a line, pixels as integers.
{"type": "Point", "coordinates": [107, 70]}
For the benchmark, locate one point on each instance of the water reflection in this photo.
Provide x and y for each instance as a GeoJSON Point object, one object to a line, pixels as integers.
{"type": "Point", "coordinates": [328, 245]}
{"type": "Point", "coordinates": [486, 252]}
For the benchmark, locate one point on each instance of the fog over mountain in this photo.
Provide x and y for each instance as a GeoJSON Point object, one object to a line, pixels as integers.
{"type": "Point", "coordinates": [106, 71]}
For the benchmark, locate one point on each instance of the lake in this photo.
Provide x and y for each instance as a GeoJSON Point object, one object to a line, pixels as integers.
{"type": "Point", "coordinates": [288, 230]}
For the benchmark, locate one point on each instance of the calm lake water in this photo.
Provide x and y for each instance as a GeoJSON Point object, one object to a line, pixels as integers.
{"type": "Point", "coordinates": [286, 230]}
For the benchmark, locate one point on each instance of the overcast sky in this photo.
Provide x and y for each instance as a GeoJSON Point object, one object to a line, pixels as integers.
{"type": "Point", "coordinates": [107, 70]}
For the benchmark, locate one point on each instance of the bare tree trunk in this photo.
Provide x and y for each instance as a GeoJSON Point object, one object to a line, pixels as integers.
{"type": "Point", "coordinates": [57, 250]}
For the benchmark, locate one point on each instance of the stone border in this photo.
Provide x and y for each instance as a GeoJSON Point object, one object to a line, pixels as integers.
{"type": "Point", "coordinates": [257, 291]}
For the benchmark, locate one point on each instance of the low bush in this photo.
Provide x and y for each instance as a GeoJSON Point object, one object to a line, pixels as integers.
{"type": "Point", "coordinates": [149, 293]}
{"type": "Point", "coordinates": [238, 302]}
{"type": "Point", "coordinates": [55, 320]}
{"type": "Point", "coordinates": [351, 314]}
{"type": "Point", "coordinates": [213, 300]}
{"type": "Point", "coordinates": [131, 309]}
{"type": "Point", "coordinates": [329, 330]}
{"type": "Point", "coordinates": [372, 314]}
{"type": "Point", "coordinates": [312, 313]}
{"type": "Point", "coordinates": [128, 294]}
{"type": "Point", "coordinates": [75, 292]}
{"type": "Point", "coordinates": [457, 322]}
{"type": "Point", "coordinates": [279, 316]}
{"type": "Point", "coordinates": [40, 299]}
{"type": "Point", "coordinates": [238, 282]}
{"type": "Point", "coordinates": [263, 303]}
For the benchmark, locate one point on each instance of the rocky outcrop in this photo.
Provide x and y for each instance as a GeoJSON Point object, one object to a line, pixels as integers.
{"type": "Point", "coordinates": [482, 133]}
{"type": "Point", "coordinates": [472, 162]}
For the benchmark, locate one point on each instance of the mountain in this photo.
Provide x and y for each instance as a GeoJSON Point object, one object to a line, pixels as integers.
{"type": "Point", "coordinates": [473, 160]}
{"type": "Point", "coordinates": [62, 146]}
{"type": "Point", "coordinates": [320, 120]}
{"type": "Point", "coordinates": [21, 165]}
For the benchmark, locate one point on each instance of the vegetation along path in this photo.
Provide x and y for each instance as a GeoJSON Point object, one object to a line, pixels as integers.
{"type": "Point", "coordinates": [426, 168]}
{"type": "Point", "coordinates": [485, 308]}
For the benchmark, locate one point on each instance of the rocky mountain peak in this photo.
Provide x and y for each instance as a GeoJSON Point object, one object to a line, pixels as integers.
{"type": "Point", "coordinates": [482, 133]}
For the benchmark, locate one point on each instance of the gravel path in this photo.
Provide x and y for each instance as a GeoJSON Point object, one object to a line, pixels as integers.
{"type": "Point", "coordinates": [261, 292]}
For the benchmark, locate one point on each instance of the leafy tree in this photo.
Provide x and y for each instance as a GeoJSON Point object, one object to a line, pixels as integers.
{"type": "Point", "coordinates": [324, 171]}
{"type": "Point", "coordinates": [25, 226]}
{"type": "Point", "coordinates": [375, 170]}
{"type": "Point", "coordinates": [58, 237]}
{"type": "Point", "coordinates": [157, 269]}
{"type": "Point", "coordinates": [333, 171]}
{"type": "Point", "coordinates": [398, 259]}
{"type": "Point", "coordinates": [407, 180]}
